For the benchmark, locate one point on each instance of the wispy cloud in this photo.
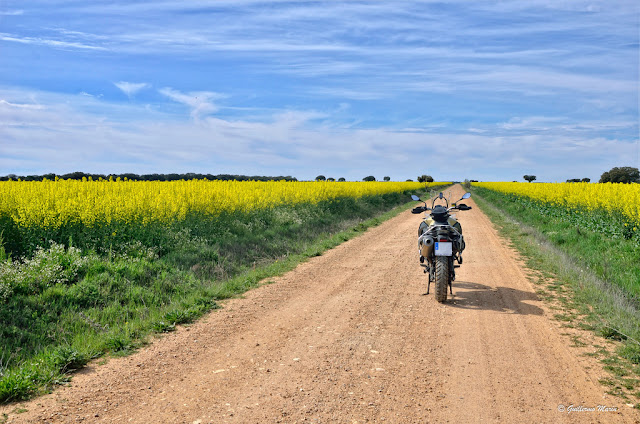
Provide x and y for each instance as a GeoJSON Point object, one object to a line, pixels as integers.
{"type": "Point", "coordinates": [21, 106]}
{"type": "Point", "coordinates": [11, 12]}
{"type": "Point", "coordinates": [200, 102]}
{"type": "Point", "coordinates": [49, 42]}
{"type": "Point", "coordinates": [131, 88]}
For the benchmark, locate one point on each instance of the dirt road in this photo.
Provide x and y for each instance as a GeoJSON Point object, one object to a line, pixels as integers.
{"type": "Point", "coordinates": [351, 337]}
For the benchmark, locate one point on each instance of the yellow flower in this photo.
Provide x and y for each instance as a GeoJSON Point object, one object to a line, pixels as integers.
{"type": "Point", "coordinates": [623, 198]}
{"type": "Point", "coordinates": [52, 204]}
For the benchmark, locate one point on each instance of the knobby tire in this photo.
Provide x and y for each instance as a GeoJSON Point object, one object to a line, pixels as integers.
{"type": "Point", "coordinates": [442, 278]}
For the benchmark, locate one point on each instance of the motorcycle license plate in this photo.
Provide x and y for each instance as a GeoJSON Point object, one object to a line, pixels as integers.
{"type": "Point", "coordinates": [444, 248]}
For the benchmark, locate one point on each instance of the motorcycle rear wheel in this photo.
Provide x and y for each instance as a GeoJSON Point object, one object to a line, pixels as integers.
{"type": "Point", "coordinates": [442, 278]}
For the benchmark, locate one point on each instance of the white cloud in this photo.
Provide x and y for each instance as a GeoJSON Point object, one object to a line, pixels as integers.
{"type": "Point", "coordinates": [93, 96]}
{"type": "Point", "coordinates": [11, 12]}
{"type": "Point", "coordinates": [200, 102]}
{"type": "Point", "coordinates": [561, 126]}
{"type": "Point", "coordinates": [131, 88]}
{"type": "Point", "coordinates": [21, 106]}
{"type": "Point", "coordinates": [536, 123]}
{"type": "Point", "coordinates": [49, 42]}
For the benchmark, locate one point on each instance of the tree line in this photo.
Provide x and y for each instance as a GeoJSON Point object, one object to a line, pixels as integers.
{"type": "Point", "coordinates": [426, 178]}
{"type": "Point", "coordinates": [145, 177]}
{"type": "Point", "coordinates": [623, 174]}
{"type": "Point", "coordinates": [368, 178]}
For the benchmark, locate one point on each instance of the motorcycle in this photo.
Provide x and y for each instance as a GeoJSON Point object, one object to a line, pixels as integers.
{"type": "Point", "coordinates": [440, 242]}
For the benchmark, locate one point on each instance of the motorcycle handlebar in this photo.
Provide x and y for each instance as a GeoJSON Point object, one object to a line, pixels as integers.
{"type": "Point", "coordinates": [420, 209]}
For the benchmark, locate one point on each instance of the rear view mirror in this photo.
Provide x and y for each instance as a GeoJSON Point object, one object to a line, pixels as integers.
{"type": "Point", "coordinates": [414, 197]}
{"type": "Point", "coordinates": [466, 195]}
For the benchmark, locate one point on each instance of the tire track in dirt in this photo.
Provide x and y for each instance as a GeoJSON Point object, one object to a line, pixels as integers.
{"type": "Point", "coordinates": [350, 337]}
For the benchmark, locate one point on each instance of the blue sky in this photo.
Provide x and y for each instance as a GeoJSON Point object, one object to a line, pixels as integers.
{"type": "Point", "coordinates": [458, 89]}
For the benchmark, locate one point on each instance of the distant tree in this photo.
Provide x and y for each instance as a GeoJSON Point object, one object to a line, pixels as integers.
{"type": "Point", "coordinates": [369, 178]}
{"type": "Point", "coordinates": [152, 177]}
{"type": "Point", "coordinates": [410, 180]}
{"type": "Point", "coordinates": [331, 179]}
{"type": "Point", "coordinates": [387, 178]}
{"type": "Point", "coordinates": [625, 174]}
{"type": "Point", "coordinates": [425, 179]}
{"type": "Point", "coordinates": [130, 176]}
{"type": "Point", "coordinates": [529, 177]}
{"type": "Point", "coordinates": [321, 178]}
{"type": "Point", "coordinates": [578, 180]}
{"type": "Point", "coordinates": [341, 179]}
{"type": "Point", "coordinates": [75, 175]}
{"type": "Point", "coordinates": [49, 176]}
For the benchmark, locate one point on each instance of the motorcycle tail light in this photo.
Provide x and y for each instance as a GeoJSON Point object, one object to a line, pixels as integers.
{"type": "Point", "coordinates": [443, 239]}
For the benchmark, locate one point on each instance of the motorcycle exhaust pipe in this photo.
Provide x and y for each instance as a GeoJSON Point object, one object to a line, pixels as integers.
{"type": "Point", "coordinates": [426, 246]}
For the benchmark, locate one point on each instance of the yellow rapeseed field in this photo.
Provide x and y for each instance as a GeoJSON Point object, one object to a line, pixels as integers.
{"type": "Point", "coordinates": [51, 204]}
{"type": "Point", "coordinates": [624, 198]}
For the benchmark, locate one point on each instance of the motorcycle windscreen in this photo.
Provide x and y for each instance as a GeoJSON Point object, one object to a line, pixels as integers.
{"type": "Point", "coordinates": [444, 248]}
